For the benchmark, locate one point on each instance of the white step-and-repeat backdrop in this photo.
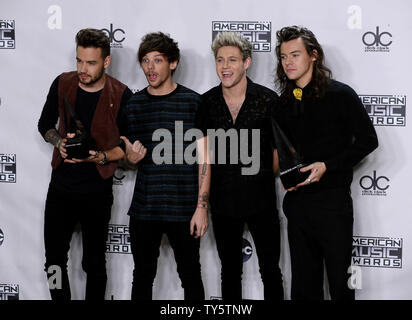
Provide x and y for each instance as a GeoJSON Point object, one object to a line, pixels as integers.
{"type": "Point", "coordinates": [367, 45]}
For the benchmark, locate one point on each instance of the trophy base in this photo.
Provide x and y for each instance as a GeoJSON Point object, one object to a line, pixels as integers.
{"type": "Point", "coordinates": [293, 176]}
{"type": "Point", "coordinates": [76, 150]}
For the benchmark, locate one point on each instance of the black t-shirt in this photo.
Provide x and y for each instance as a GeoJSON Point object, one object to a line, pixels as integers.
{"type": "Point", "coordinates": [80, 178]}
{"type": "Point", "coordinates": [232, 192]}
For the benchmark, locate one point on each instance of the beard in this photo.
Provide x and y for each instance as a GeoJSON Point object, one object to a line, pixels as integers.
{"type": "Point", "coordinates": [91, 80]}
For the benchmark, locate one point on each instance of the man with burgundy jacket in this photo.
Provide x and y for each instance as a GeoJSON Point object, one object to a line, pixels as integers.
{"type": "Point", "coordinates": [80, 190]}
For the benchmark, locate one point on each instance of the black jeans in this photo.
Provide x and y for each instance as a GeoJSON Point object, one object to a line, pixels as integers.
{"type": "Point", "coordinates": [62, 213]}
{"type": "Point", "coordinates": [320, 233]}
{"type": "Point", "coordinates": [145, 240]}
{"type": "Point", "coordinates": [265, 230]}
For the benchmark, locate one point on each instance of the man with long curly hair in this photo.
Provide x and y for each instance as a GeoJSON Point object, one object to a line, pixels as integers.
{"type": "Point", "coordinates": [328, 126]}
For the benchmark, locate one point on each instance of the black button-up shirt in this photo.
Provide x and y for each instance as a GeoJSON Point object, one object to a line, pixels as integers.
{"type": "Point", "coordinates": [232, 192]}
{"type": "Point", "coordinates": [334, 129]}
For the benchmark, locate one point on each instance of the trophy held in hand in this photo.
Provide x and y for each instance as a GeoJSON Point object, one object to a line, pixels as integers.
{"type": "Point", "coordinates": [290, 161]}
{"type": "Point", "coordinates": [77, 147]}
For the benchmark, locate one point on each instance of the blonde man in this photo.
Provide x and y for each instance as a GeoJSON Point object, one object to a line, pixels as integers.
{"type": "Point", "coordinates": [237, 199]}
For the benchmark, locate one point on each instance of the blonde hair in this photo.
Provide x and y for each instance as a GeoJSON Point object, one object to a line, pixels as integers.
{"type": "Point", "coordinates": [224, 39]}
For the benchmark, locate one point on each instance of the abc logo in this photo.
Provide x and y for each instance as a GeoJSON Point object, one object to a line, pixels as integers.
{"type": "Point", "coordinates": [112, 34]}
{"type": "Point", "coordinates": [376, 39]}
{"type": "Point", "coordinates": [368, 182]}
{"type": "Point", "coordinates": [1, 237]}
{"type": "Point", "coordinates": [246, 250]}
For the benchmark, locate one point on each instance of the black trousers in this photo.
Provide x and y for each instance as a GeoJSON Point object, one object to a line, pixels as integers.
{"type": "Point", "coordinates": [320, 228]}
{"type": "Point", "coordinates": [145, 240]}
{"type": "Point", "coordinates": [62, 213]}
{"type": "Point", "coordinates": [265, 230]}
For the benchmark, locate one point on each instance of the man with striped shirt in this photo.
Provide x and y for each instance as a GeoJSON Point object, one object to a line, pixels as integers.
{"type": "Point", "coordinates": [170, 196]}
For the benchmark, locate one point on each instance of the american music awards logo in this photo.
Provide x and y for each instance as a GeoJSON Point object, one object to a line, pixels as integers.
{"type": "Point", "coordinates": [385, 110]}
{"type": "Point", "coordinates": [9, 291]}
{"type": "Point", "coordinates": [7, 34]}
{"type": "Point", "coordinates": [258, 33]}
{"type": "Point", "coordinates": [379, 252]}
{"type": "Point", "coordinates": [118, 239]}
{"type": "Point", "coordinates": [7, 168]}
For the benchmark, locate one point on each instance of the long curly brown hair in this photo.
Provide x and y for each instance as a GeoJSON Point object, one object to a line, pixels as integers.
{"type": "Point", "coordinates": [321, 74]}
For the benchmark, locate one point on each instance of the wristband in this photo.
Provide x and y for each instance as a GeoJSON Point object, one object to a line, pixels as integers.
{"type": "Point", "coordinates": [104, 161]}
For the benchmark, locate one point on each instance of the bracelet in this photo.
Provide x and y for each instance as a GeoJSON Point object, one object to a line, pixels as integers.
{"type": "Point", "coordinates": [104, 161]}
{"type": "Point", "coordinates": [202, 206]}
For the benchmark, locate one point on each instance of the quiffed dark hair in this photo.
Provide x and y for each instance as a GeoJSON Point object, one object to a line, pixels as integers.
{"type": "Point", "coordinates": [93, 38]}
{"type": "Point", "coordinates": [321, 74]}
{"type": "Point", "coordinates": [158, 41]}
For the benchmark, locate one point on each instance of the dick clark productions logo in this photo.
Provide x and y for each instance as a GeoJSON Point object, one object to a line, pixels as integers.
{"type": "Point", "coordinates": [247, 250]}
{"type": "Point", "coordinates": [116, 36]}
{"type": "Point", "coordinates": [374, 185]}
{"type": "Point", "coordinates": [118, 177]}
{"type": "Point", "coordinates": [377, 41]}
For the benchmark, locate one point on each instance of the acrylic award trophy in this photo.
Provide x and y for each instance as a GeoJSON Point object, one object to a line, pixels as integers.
{"type": "Point", "coordinates": [290, 162]}
{"type": "Point", "coordinates": [79, 146]}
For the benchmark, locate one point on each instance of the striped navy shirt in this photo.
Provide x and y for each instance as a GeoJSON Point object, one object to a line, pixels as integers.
{"type": "Point", "coordinates": [167, 191]}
